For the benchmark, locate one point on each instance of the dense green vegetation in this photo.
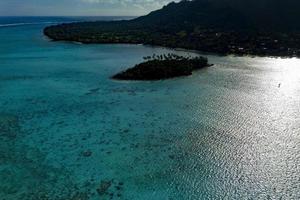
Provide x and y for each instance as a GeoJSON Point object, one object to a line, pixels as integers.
{"type": "Point", "coordinates": [267, 27]}
{"type": "Point", "coordinates": [159, 67]}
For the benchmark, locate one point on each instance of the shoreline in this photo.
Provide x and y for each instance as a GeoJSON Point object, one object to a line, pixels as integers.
{"type": "Point", "coordinates": [77, 42]}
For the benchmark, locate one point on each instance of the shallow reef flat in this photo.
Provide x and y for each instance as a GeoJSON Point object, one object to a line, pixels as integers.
{"type": "Point", "coordinates": [69, 132]}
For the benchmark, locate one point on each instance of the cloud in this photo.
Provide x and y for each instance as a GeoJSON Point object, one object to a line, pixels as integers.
{"type": "Point", "coordinates": [129, 3]}
{"type": "Point", "coordinates": [128, 7]}
{"type": "Point", "coordinates": [80, 7]}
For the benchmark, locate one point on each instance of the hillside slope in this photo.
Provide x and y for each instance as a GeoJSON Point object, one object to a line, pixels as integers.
{"type": "Point", "coordinates": [262, 14]}
{"type": "Point", "coordinates": [266, 27]}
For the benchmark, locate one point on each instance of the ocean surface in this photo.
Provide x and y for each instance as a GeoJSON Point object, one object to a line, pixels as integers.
{"type": "Point", "coordinates": [69, 132]}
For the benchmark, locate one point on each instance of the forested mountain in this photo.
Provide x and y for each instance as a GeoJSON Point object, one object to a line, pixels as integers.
{"type": "Point", "coordinates": [238, 14]}
{"type": "Point", "coordinates": [264, 27]}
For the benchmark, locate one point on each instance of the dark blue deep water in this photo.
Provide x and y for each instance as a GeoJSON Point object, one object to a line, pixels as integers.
{"type": "Point", "coordinates": [69, 132]}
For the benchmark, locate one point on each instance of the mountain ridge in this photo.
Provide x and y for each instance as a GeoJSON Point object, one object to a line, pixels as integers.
{"type": "Point", "coordinates": [266, 14]}
{"type": "Point", "coordinates": [219, 26]}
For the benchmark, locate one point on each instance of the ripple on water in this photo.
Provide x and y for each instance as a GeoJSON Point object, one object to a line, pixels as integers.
{"type": "Point", "coordinates": [69, 132]}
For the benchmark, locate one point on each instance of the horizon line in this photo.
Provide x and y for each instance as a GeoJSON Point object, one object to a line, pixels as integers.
{"type": "Point", "coordinates": [70, 15]}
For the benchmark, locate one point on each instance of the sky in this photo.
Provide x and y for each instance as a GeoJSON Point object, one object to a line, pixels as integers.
{"type": "Point", "coordinates": [79, 7]}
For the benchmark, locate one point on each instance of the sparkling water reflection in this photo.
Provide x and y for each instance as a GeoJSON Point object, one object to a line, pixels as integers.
{"type": "Point", "coordinates": [68, 132]}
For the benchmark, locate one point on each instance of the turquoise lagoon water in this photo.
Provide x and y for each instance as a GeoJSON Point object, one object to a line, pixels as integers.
{"type": "Point", "coordinates": [231, 131]}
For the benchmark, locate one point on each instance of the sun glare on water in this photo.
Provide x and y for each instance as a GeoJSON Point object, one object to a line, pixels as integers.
{"type": "Point", "coordinates": [289, 75]}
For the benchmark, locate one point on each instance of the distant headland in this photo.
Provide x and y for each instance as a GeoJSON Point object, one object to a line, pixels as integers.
{"type": "Point", "coordinates": [213, 26]}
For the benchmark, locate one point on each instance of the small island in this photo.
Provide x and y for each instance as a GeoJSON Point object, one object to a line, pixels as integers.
{"type": "Point", "coordinates": [158, 67]}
